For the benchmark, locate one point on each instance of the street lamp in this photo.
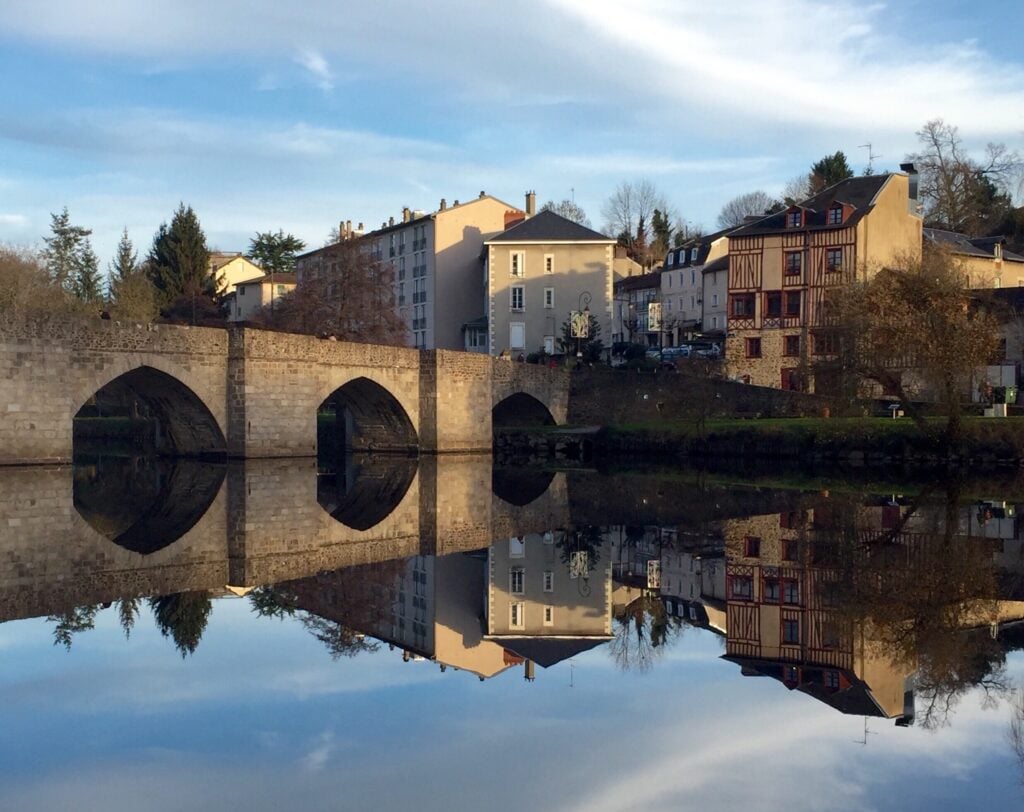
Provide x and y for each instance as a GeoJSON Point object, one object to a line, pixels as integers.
{"type": "Point", "coordinates": [579, 323]}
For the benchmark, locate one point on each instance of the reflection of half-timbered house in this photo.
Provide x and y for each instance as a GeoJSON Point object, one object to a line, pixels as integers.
{"type": "Point", "coordinates": [782, 623]}
{"type": "Point", "coordinates": [781, 266]}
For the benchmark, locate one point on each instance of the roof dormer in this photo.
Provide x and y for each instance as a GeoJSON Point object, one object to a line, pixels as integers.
{"type": "Point", "coordinates": [796, 216]}
{"type": "Point", "coordinates": [837, 213]}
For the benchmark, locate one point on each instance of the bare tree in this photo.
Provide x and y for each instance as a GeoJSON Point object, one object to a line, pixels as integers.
{"type": "Point", "coordinates": [353, 299]}
{"type": "Point", "coordinates": [568, 209]}
{"type": "Point", "coordinates": [751, 204]}
{"type": "Point", "coordinates": [796, 189]}
{"type": "Point", "coordinates": [629, 216]}
{"type": "Point", "coordinates": [960, 193]}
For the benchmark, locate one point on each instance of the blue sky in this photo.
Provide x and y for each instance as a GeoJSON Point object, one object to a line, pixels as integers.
{"type": "Point", "coordinates": [265, 116]}
{"type": "Point", "coordinates": [261, 718]}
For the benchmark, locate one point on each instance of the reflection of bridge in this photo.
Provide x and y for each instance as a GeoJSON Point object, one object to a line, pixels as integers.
{"type": "Point", "coordinates": [254, 393]}
{"type": "Point", "coordinates": [263, 524]}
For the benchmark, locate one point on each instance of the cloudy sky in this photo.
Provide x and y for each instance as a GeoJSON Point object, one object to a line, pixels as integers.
{"type": "Point", "coordinates": [263, 115]}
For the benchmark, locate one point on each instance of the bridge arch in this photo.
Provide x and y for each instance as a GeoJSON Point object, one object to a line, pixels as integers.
{"type": "Point", "coordinates": [186, 424]}
{"type": "Point", "coordinates": [361, 491]}
{"type": "Point", "coordinates": [521, 409]}
{"type": "Point", "coordinates": [367, 416]}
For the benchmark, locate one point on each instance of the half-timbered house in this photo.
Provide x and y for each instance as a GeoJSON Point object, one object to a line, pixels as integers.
{"type": "Point", "coordinates": [781, 266]}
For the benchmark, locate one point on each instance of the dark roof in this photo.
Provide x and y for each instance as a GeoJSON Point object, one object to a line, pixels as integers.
{"type": "Point", "coordinates": [546, 651]}
{"type": "Point", "coordinates": [701, 243]}
{"type": "Point", "coordinates": [720, 264]}
{"type": "Point", "coordinates": [549, 226]}
{"type": "Point", "coordinates": [479, 323]}
{"type": "Point", "coordinates": [639, 282]}
{"type": "Point", "coordinates": [958, 243]}
{"type": "Point", "coordinates": [858, 193]}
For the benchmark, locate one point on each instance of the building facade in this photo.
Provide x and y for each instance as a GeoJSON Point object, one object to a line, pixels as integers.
{"type": "Point", "coordinates": [536, 273]}
{"type": "Point", "coordinates": [985, 261]}
{"type": "Point", "coordinates": [250, 297]}
{"type": "Point", "coordinates": [781, 266]}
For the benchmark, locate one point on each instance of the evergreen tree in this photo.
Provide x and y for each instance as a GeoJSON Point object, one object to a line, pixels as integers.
{"type": "Point", "coordinates": [662, 229]}
{"type": "Point", "coordinates": [63, 250]}
{"type": "Point", "coordinates": [829, 171]}
{"type": "Point", "coordinates": [86, 284]}
{"type": "Point", "coordinates": [275, 253]}
{"type": "Point", "coordinates": [126, 261]}
{"type": "Point", "coordinates": [178, 263]}
{"type": "Point", "coordinates": [182, 617]}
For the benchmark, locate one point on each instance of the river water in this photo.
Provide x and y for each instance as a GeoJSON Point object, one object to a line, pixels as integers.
{"type": "Point", "coordinates": [386, 633]}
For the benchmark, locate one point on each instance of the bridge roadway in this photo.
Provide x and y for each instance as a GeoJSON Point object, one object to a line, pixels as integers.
{"type": "Point", "coordinates": [254, 393]}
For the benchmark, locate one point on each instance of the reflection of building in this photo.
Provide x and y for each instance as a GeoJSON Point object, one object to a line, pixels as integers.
{"type": "Point", "coordinates": [693, 587]}
{"type": "Point", "coordinates": [549, 595]}
{"type": "Point", "coordinates": [782, 621]}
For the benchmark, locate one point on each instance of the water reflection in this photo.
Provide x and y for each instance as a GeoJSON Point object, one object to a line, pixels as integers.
{"type": "Point", "coordinates": [879, 605]}
{"type": "Point", "coordinates": [144, 503]}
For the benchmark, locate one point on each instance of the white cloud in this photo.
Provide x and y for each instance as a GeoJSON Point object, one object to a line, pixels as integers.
{"type": "Point", "coordinates": [314, 62]}
{"type": "Point", "coordinates": [13, 220]}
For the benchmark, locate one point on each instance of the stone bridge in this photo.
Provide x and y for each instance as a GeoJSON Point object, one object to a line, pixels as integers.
{"type": "Point", "coordinates": [253, 393]}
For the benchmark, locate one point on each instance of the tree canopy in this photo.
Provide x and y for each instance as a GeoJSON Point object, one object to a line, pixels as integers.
{"type": "Point", "coordinates": [751, 204]}
{"type": "Point", "coordinates": [568, 209]}
{"type": "Point", "coordinates": [70, 260]}
{"type": "Point", "coordinates": [629, 215]}
{"type": "Point", "coordinates": [828, 171]}
{"type": "Point", "coordinates": [275, 252]}
{"type": "Point", "coordinates": [179, 261]}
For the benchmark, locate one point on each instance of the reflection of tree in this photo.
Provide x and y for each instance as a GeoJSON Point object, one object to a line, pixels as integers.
{"type": "Point", "coordinates": [1016, 733]}
{"type": "Point", "coordinates": [582, 542]}
{"type": "Point", "coordinates": [915, 590]}
{"type": "Point", "coordinates": [183, 617]}
{"type": "Point", "coordinates": [643, 631]}
{"type": "Point", "coordinates": [74, 620]}
{"type": "Point", "coordinates": [127, 613]}
{"type": "Point", "coordinates": [336, 607]}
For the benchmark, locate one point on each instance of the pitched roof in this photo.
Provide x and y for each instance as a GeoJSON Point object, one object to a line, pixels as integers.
{"type": "Point", "coordinates": [966, 246]}
{"type": "Point", "coordinates": [720, 264]}
{"type": "Point", "coordinates": [647, 280]}
{"type": "Point", "coordinates": [857, 193]}
{"type": "Point", "coordinates": [549, 227]}
{"type": "Point", "coordinates": [702, 244]}
{"type": "Point", "coordinates": [546, 651]}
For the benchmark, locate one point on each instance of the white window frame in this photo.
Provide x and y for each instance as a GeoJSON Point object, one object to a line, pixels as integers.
{"type": "Point", "coordinates": [517, 581]}
{"type": "Point", "coordinates": [549, 298]}
{"type": "Point", "coordinates": [549, 345]}
{"type": "Point", "coordinates": [521, 327]}
{"type": "Point", "coordinates": [517, 615]}
{"type": "Point", "coordinates": [549, 581]}
{"type": "Point", "coordinates": [549, 263]}
{"type": "Point", "coordinates": [714, 300]}
{"type": "Point", "coordinates": [521, 297]}
{"type": "Point", "coordinates": [516, 547]}
{"type": "Point", "coordinates": [517, 264]}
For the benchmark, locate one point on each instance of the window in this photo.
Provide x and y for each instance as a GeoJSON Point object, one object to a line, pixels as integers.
{"type": "Point", "coordinates": [516, 576]}
{"type": "Point", "coordinates": [693, 255]}
{"type": "Point", "coordinates": [752, 547]}
{"type": "Point", "coordinates": [791, 345]}
{"type": "Point", "coordinates": [549, 581]}
{"type": "Point", "coordinates": [241, 290]}
{"type": "Point", "coordinates": [549, 263]}
{"type": "Point", "coordinates": [714, 322]}
{"type": "Point", "coordinates": [791, 591]}
{"type": "Point", "coordinates": [793, 263]}
{"type": "Point", "coordinates": [281, 291]}
{"type": "Point", "coordinates": [826, 343]}
{"type": "Point", "coordinates": [549, 297]}
{"type": "Point", "coordinates": [516, 547]}
{"type": "Point", "coordinates": [791, 631]}
{"type": "Point", "coordinates": [794, 219]}
{"type": "Point", "coordinates": [549, 345]}
{"type": "Point", "coordinates": [790, 549]}
{"type": "Point", "coordinates": [792, 303]}
{"type": "Point", "coordinates": [714, 300]}
{"type": "Point", "coordinates": [517, 616]}
{"type": "Point", "coordinates": [549, 615]}
{"type": "Point", "coordinates": [743, 305]}
{"type": "Point", "coordinates": [833, 260]}
{"type": "Point", "coordinates": [832, 680]}
{"type": "Point", "coordinates": [753, 348]}
{"type": "Point", "coordinates": [517, 263]}
{"type": "Point", "coordinates": [771, 590]}
{"type": "Point", "coordinates": [741, 587]}
{"type": "Point", "coordinates": [835, 216]}
{"type": "Point", "coordinates": [693, 277]}
{"type": "Point", "coordinates": [517, 335]}
{"type": "Point", "coordinates": [829, 635]}
{"type": "Point", "coordinates": [670, 280]}
{"type": "Point", "coordinates": [517, 295]}
{"type": "Point", "coordinates": [773, 304]}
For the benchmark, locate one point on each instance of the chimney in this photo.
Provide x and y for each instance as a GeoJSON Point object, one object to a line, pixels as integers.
{"type": "Point", "coordinates": [444, 204]}
{"type": "Point", "coordinates": [531, 204]}
{"type": "Point", "coordinates": [391, 221]}
{"type": "Point", "coordinates": [483, 194]}
{"type": "Point", "coordinates": [348, 228]}
{"type": "Point", "coordinates": [528, 670]}
{"type": "Point", "coordinates": [915, 183]}
{"type": "Point", "coordinates": [406, 214]}
{"type": "Point", "coordinates": [341, 230]}
{"type": "Point", "coordinates": [360, 228]}
{"type": "Point", "coordinates": [456, 202]}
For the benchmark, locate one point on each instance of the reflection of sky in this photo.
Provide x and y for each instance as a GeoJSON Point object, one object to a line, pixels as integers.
{"type": "Point", "coordinates": [261, 717]}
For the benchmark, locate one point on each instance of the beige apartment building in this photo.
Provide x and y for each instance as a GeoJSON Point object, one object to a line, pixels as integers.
{"type": "Point", "coordinates": [228, 268]}
{"type": "Point", "coordinates": [250, 297]}
{"type": "Point", "coordinates": [548, 595]}
{"type": "Point", "coordinates": [436, 263]}
{"type": "Point", "coordinates": [537, 272]}
{"type": "Point", "coordinates": [781, 266]}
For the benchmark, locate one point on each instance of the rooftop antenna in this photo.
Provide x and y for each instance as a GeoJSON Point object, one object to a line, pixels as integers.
{"type": "Point", "coordinates": [871, 158]}
{"type": "Point", "coordinates": [572, 192]}
{"type": "Point", "coordinates": [863, 742]}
